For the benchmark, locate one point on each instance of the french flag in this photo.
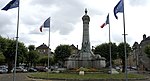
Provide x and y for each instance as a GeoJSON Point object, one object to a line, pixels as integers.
{"type": "Point", "coordinates": [107, 22]}
{"type": "Point", "coordinates": [46, 24]}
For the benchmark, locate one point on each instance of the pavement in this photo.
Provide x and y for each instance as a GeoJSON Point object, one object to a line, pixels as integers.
{"type": "Point", "coordinates": [19, 77]}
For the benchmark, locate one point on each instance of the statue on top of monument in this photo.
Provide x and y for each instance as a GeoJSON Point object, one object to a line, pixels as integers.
{"type": "Point", "coordinates": [86, 18]}
{"type": "Point", "coordinates": [85, 10]}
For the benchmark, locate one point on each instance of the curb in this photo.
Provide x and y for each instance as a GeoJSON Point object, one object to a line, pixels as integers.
{"type": "Point", "coordinates": [66, 79]}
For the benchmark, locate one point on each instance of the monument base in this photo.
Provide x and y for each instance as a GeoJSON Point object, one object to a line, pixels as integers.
{"type": "Point", "coordinates": [77, 62]}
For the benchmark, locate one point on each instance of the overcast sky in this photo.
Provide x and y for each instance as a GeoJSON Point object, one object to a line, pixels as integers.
{"type": "Point", "coordinates": [66, 23]}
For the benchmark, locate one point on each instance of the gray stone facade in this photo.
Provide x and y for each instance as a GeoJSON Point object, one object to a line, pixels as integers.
{"type": "Point", "coordinates": [142, 61]}
{"type": "Point", "coordinates": [85, 57]}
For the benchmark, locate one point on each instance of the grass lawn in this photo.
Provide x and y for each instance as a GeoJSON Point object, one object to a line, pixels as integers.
{"type": "Point", "coordinates": [86, 76]}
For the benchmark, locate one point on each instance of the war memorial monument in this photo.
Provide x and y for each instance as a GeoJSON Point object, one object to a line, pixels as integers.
{"type": "Point", "coordinates": [85, 57]}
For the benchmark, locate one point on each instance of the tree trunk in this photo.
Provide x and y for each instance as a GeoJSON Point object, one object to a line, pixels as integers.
{"type": "Point", "coordinates": [123, 65]}
{"type": "Point", "coordinates": [10, 66]}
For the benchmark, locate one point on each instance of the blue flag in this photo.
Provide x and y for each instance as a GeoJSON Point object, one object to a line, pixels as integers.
{"type": "Point", "coordinates": [11, 4]}
{"type": "Point", "coordinates": [118, 8]}
{"type": "Point", "coordinates": [46, 24]}
{"type": "Point", "coordinates": [107, 20]}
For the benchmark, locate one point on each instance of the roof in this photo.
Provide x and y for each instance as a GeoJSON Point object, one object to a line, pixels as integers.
{"type": "Point", "coordinates": [147, 39]}
{"type": "Point", "coordinates": [43, 46]}
{"type": "Point", "coordinates": [135, 44]}
{"type": "Point", "coordinates": [73, 47]}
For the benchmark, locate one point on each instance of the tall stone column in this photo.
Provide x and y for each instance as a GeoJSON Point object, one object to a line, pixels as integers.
{"type": "Point", "coordinates": [86, 55]}
{"type": "Point", "coordinates": [85, 39]}
{"type": "Point", "coordinates": [85, 58]}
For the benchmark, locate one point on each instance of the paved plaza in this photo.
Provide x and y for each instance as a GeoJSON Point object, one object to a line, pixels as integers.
{"type": "Point", "coordinates": [19, 77]}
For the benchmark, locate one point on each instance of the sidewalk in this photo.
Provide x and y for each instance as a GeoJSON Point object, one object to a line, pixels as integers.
{"type": "Point", "coordinates": [19, 77]}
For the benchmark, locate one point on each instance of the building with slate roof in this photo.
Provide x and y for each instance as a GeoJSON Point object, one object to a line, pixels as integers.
{"type": "Point", "coordinates": [142, 61]}
{"type": "Point", "coordinates": [74, 50]}
{"type": "Point", "coordinates": [42, 49]}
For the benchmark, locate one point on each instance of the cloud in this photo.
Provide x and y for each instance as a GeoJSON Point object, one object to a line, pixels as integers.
{"type": "Point", "coordinates": [67, 13]}
{"type": "Point", "coordinates": [6, 24]}
{"type": "Point", "coordinates": [36, 31]}
{"type": "Point", "coordinates": [138, 2]}
{"type": "Point", "coordinates": [27, 39]}
{"type": "Point", "coordinates": [29, 20]}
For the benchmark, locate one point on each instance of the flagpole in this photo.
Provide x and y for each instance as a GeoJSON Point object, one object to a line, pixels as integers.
{"type": "Point", "coordinates": [49, 50]}
{"type": "Point", "coordinates": [126, 74]}
{"type": "Point", "coordinates": [110, 47]}
{"type": "Point", "coordinates": [14, 73]}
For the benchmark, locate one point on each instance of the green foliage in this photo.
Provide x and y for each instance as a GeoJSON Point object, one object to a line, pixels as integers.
{"type": "Point", "coordinates": [8, 49]}
{"type": "Point", "coordinates": [147, 50]}
{"type": "Point", "coordinates": [44, 60]}
{"type": "Point", "coordinates": [2, 58]}
{"type": "Point", "coordinates": [31, 47]}
{"type": "Point", "coordinates": [62, 52]}
{"type": "Point", "coordinates": [32, 58]}
{"type": "Point", "coordinates": [22, 51]}
{"type": "Point", "coordinates": [116, 51]}
{"type": "Point", "coordinates": [11, 51]}
{"type": "Point", "coordinates": [121, 53]}
{"type": "Point", "coordinates": [104, 50]}
{"type": "Point", "coordinates": [121, 50]}
{"type": "Point", "coordinates": [83, 69]}
{"type": "Point", "coordinates": [3, 44]}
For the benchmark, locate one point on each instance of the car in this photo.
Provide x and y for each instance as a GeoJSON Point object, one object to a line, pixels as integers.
{"type": "Point", "coordinates": [42, 69]}
{"type": "Point", "coordinates": [19, 69]}
{"type": "Point", "coordinates": [113, 71]}
{"type": "Point", "coordinates": [117, 68]}
{"type": "Point", "coordinates": [3, 69]}
{"type": "Point", "coordinates": [32, 70]}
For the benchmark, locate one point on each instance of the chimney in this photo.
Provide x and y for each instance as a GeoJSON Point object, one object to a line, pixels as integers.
{"type": "Point", "coordinates": [77, 46]}
{"type": "Point", "coordinates": [144, 36]}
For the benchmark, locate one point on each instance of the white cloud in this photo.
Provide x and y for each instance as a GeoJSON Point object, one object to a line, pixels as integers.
{"type": "Point", "coordinates": [138, 2]}
{"type": "Point", "coordinates": [66, 22]}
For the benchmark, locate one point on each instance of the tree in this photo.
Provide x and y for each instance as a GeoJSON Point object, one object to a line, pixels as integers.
{"type": "Point", "coordinates": [32, 56]}
{"type": "Point", "coordinates": [3, 44]}
{"type": "Point", "coordinates": [31, 47]}
{"type": "Point", "coordinates": [44, 60]}
{"type": "Point", "coordinates": [104, 51]}
{"type": "Point", "coordinates": [62, 52]}
{"type": "Point", "coordinates": [121, 53]}
{"type": "Point", "coordinates": [22, 51]}
{"type": "Point", "coordinates": [10, 52]}
{"type": "Point", "coordinates": [147, 50]}
{"type": "Point", "coordinates": [3, 47]}
{"type": "Point", "coordinates": [2, 58]}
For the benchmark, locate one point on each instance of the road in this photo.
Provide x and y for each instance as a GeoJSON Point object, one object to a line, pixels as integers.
{"type": "Point", "coordinates": [19, 77]}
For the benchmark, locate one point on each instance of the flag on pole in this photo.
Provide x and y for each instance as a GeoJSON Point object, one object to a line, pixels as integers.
{"type": "Point", "coordinates": [46, 24]}
{"type": "Point", "coordinates": [107, 22]}
{"type": "Point", "coordinates": [11, 4]}
{"type": "Point", "coordinates": [118, 8]}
